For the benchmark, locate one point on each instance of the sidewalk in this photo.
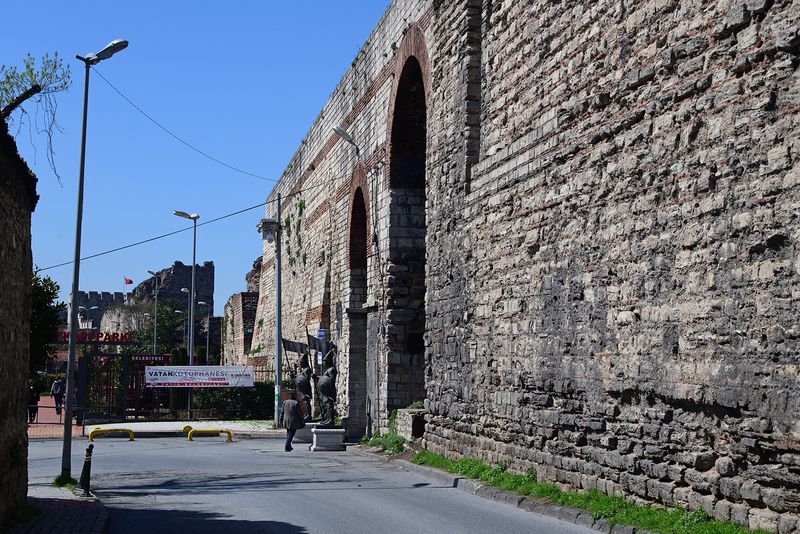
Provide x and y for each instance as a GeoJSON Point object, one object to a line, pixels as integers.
{"type": "Point", "coordinates": [60, 510]}
{"type": "Point", "coordinates": [159, 429]}
{"type": "Point", "coordinates": [48, 423]}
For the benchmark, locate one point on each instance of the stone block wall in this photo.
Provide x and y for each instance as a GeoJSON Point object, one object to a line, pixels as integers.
{"type": "Point", "coordinates": [609, 226]}
{"type": "Point", "coordinates": [237, 328]}
{"type": "Point", "coordinates": [318, 187]}
{"type": "Point", "coordinates": [411, 424]}
{"type": "Point", "coordinates": [622, 313]}
{"type": "Point", "coordinates": [17, 202]}
{"type": "Point", "coordinates": [100, 300]}
{"type": "Point", "coordinates": [172, 279]}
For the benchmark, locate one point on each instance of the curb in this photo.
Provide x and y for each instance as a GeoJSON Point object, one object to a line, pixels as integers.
{"type": "Point", "coordinates": [537, 506]}
{"type": "Point", "coordinates": [244, 435]}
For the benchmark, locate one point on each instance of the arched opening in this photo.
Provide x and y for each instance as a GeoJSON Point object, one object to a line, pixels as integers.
{"type": "Point", "coordinates": [407, 231]}
{"type": "Point", "coordinates": [357, 338]}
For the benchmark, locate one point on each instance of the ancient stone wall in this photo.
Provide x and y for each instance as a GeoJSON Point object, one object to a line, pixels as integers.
{"type": "Point", "coordinates": [172, 279]}
{"type": "Point", "coordinates": [237, 328]}
{"type": "Point", "coordinates": [253, 277]}
{"type": "Point", "coordinates": [17, 201]}
{"type": "Point", "coordinates": [603, 197]}
{"type": "Point", "coordinates": [628, 249]}
{"type": "Point", "coordinates": [92, 305]}
{"type": "Point", "coordinates": [321, 288]}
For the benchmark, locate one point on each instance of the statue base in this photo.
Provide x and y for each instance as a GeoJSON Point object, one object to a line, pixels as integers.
{"type": "Point", "coordinates": [327, 438]}
{"type": "Point", "coordinates": [303, 435]}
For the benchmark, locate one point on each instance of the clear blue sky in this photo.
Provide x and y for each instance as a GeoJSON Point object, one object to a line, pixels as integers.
{"type": "Point", "coordinates": [242, 81]}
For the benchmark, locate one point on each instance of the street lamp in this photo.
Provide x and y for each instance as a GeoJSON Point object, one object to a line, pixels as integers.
{"type": "Point", "coordinates": [66, 453]}
{"type": "Point", "coordinates": [188, 306]}
{"type": "Point", "coordinates": [271, 231]}
{"type": "Point", "coordinates": [183, 327]}
{"type": "Point", "coordinates": [208, 327]}
{"type": "Point", "coordinates": [155, 313]}
{"type": "Point", "coordinates": [192, 217]}
{"type": "Point", "coordinates": [341, 132]}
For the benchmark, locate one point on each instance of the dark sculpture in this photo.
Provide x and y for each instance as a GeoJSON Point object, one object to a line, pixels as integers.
{"type": "Point", "coordinates": [303, 386]}
{"type": "Point", "coordinates": [327, 389]}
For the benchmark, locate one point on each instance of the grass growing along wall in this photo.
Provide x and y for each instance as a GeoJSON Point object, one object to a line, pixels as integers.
{"type": "Point", "coordinates": [616, 509]}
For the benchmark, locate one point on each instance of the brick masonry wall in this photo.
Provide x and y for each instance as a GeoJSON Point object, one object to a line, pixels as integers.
{"type": "Point", "coordinates": [628, 254]}
{"type": "Point", "coordinates": [610, 258]}
{"type": "Point", "coordinates": [317, 189]}
{"type": "Point", "coordinates": [17, 201]}
{"type": "Point", "coordinates": [237, 328]}
{"type": "Point", "coordinates": [172, 279]}
{"type": "Point", "coordinates": [411, 423]}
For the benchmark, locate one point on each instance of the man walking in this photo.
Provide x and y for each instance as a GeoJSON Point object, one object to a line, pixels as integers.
{"type": "Point", "coordinates": [292, 419]}
{"type": "Point", "coordinates": [57, 391]}
{"type": "Point", "coordinates": [33, 401]}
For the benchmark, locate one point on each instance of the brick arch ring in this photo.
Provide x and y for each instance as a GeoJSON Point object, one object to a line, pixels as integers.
{"type": "Point", "coordinates": [413, 45]}
{"type": "Point", "coordinates": [359, 180]}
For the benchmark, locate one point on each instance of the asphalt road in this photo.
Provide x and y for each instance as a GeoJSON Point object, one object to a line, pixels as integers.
{"type": "Point", "coordinates": [171, 485]}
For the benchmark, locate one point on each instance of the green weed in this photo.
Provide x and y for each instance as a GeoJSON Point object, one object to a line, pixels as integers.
{"type": "Point", "coordinates": [390, 443]}
{"type": "Point", "coordinates": [65, 481]}
{"type": "Point", "coordinates": [615, 509]}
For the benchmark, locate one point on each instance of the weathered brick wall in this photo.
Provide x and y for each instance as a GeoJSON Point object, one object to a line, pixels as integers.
{"type": "Point", "coordinates": [319, 287]}
{"type": "Point", "coordinates": [237, 328]}
{"type": "Point", "coordinates": [172, 279]}
{"type": "Point", "coordinates": [100, 300]}
{"type": "Point", "coordinates": [628, 254]}
{"type": "Point", "coordinates": [411, 424]}
{"type": "Point", "coordinates": [17, 201]}
{"type": "Point", "coordinates": [607, 229]}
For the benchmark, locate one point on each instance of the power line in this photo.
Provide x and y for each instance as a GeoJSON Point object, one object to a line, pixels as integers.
{"type": "Point", "coordinates": [212, 158]}
{"type": "Point", "coordinates": [162, 236]}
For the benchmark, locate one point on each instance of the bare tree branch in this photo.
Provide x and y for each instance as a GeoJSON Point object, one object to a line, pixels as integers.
{"type": "Point", "coordinates": [20, 99]}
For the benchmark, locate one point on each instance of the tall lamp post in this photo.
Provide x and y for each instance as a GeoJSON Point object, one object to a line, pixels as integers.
{"type": "Point", "coordinates": [208, 327]}
{"type": "Point", "coordinates": [188, 306]}
{"type": "Point", "coordinates": [91, 59]}
{"type": "Point", "coordinates": [192, 217]}
{"type": "Point", "coordinates": [271, 231]}
{"type": "Point", "coordinates": [155, 314]}
{"type": "Point", "coordinates": [183, 327]}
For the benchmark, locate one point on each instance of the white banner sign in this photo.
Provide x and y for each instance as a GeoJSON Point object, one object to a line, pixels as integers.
{"type": "Point", "coordinates": [208, 376]}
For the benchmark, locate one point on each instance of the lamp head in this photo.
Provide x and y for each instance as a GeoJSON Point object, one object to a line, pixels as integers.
{"type": "Point", "coordinates": [341, 132]}
{"type": "Point", "coordinates": [190, 216]}
{"type": "Point", "coordinates": [184, 290]}
{"type": "Point", "coordinates": [109, 50]}
{"type": "Point", "coordinates": [269, 228]}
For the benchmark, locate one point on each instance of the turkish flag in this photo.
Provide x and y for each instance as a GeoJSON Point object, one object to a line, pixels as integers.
{"type": "Point", "coordinates": [127, 280]}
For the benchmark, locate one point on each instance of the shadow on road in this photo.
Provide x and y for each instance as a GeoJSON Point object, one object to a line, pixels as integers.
{"type": "Point", "coordinates": [231, 483]}
{"type": "Point", "coordinates": [124, 521]}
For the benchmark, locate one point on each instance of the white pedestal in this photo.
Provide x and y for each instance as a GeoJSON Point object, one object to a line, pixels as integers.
{"type": "Point", "coordinates": [328, 439]}
{"type": "Point", "coordinates": [303, 435]}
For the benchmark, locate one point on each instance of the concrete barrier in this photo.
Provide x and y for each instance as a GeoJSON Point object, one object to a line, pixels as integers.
{"type": "Point", "coordinates": [209, 432]}
{"type": "Point", "coordinates": [99, 431]}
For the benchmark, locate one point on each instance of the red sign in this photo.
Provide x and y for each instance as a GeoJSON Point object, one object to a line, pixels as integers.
{"type": "Point", "coordinates": [89, 336]}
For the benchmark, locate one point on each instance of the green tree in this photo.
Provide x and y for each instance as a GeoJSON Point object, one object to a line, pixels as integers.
{"type": "Point", "coordinates": [44, 320]}
{"type": "Point", "coordinates": [138, 319]}
{"type": "Point", "coordinates": [37, 85]}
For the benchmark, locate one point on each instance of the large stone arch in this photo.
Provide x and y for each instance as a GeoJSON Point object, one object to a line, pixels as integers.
{"type": "Point", "coordinates": [406, 182]}
{"type": "Point", "coordinates": [358, 250]}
